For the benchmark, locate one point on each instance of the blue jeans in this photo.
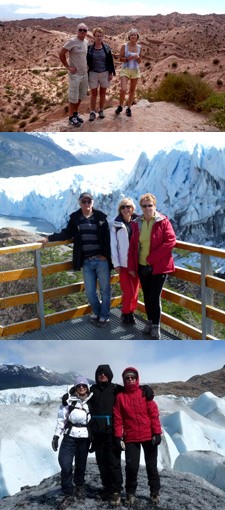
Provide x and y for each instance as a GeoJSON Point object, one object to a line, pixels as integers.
{"type": "Point", "coordinates": [97, 270]}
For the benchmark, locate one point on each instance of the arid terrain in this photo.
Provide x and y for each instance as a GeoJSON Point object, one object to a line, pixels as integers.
{"type": "Point", "coordinates": [33, 82]}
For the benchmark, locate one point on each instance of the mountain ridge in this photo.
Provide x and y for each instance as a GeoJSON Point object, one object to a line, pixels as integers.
{"type": "Point", "coordinates": [16, 376]}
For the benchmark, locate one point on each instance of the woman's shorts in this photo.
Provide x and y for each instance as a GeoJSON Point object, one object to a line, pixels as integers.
{"type": "Point", "coordinates": [130, 73]}
{"type": "Point", "coordinates": [95, 79]}
{"type": "Point", "coordinates": [78, 87]}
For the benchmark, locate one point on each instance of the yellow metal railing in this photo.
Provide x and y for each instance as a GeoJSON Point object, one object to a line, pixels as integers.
{"type": "Point", "coordinates": [204, 279]}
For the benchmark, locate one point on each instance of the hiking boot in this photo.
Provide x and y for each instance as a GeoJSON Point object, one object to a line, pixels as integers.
{"type": "Point", "coordinates": [94, 318]}
{"type": "Point", "coordinates": [154, 498]}
{"type": "Point", "coordinates": [148, 328]}
{"type": "Point", "coordinates": [125, 318]}
{"type": "Point", "coordinates": [115, 500]}
{"type": "Point", "coordinates": [79, 118]}
{"type": "Point", "coordinates": [80, 492]}
{"type": "Point", "coordinates": [74, 121]}
{"type": "Point", "coordinates": [132, 318]}
{"type": "Point", "coordinates": [128, 112]}
{"type": "Point", "coordinates": [67, 502]}
{"type": "Point", "coordinates": [130, 500]}
{"type": "Point", "coordinates": [118, 110]}
{"type": "Point", "coordinates": [155, 332]}
{"type": "Point", "coordinates": [101, 114]}
{"type": "Point", "coordinates": [92, 116]}
{"type": "Point", "coordinates": [103, 322]}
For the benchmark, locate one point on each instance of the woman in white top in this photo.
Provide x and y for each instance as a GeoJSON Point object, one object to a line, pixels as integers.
{"type": "Point", "coordinates": [120, 234]}
{"type": "Point", "coordinates": [130, 56]}
{"type": "Point", "coordinates": [72, 422]}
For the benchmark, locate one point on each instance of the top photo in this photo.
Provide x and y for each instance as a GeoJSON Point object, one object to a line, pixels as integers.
{"type": "Point", "coordinates": [112, 67]}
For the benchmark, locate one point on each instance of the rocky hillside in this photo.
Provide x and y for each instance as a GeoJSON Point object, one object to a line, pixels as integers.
{"type": "Point", "coordinates": [179, 491]}
{"type": "Point", "coordinates": [35, 84]}
{"type": "Point", "coordinates": [195, 386]}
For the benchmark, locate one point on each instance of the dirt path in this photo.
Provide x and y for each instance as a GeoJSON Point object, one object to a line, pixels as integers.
{"type": "Point", "coordinates": [160, 116]}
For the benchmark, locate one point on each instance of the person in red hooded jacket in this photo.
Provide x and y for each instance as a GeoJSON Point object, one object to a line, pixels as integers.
{"type": "Point", "coordinates": [136, 424]}
{"type": "Point", "coordinates": [150, 256]}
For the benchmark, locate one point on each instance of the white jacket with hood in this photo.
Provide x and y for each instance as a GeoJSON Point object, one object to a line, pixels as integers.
{"type": "Point", "coordinates": [73, 418]}
{"type": "Point", "coordinates": [119, 241]}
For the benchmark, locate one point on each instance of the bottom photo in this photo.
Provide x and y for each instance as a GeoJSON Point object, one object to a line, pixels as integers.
{"type": "Point", "coordinates": [112, 424]}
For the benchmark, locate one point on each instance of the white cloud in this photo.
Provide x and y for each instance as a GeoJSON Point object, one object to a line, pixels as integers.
{"type": "Point", "coordinates": [157, 361]}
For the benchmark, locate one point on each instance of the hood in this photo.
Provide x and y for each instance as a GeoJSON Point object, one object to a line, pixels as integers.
{"type": "Point", "coordinates": [128, 387]}
{"type": "Point", "coordinates": [81, 380]}
{"type": "Point", "coordinates": [107, 371]}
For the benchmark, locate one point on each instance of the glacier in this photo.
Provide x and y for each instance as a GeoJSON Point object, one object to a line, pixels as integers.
{"type": "Point", "coordinates": [28, 420]}
{"type": "Point", "coordinates": [187, 176]}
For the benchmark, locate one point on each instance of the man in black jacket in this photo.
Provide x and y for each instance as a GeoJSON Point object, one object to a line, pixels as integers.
{"type": "Point", "coordinates": [108, 456]}
{"type": "Point", "coordinates": [89, 230]}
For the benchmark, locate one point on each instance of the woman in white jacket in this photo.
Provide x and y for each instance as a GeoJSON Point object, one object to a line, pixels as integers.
{"type": "Point", "coordinates": [72, 422]}
{"type": "Point", "coordinates": [120, 233]}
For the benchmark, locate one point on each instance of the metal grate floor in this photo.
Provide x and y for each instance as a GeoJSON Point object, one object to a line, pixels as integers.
{"type": "Point", "coordinates": [82, 329]}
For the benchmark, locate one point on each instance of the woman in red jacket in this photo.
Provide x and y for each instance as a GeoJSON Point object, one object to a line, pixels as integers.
{"type": "Point", "coordinates": [150, 257]}
{"type": "Point", "coordinates": [136, 422]}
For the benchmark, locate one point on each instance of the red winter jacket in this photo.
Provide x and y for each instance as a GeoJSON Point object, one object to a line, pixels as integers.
{"type": "Point", "coordinates": [163, 239]}
{"type": "Point", "coordinates": [135, 419]}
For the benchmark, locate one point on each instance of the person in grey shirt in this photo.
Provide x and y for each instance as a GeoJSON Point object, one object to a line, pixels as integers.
{"type": "Point", "coordinates": [73, 56]}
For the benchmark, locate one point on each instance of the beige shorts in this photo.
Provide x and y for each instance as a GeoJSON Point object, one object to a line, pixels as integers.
{"type": "Point", "coordinates": [78, 87]}
{"type": "Point", "coordinates": [130, 73]}
{"type": "Point", "coordinates": [95, 79]}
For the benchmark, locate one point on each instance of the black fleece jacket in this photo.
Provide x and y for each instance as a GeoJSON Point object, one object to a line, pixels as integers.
{"type": "Point", "coordinates": [72, 231]}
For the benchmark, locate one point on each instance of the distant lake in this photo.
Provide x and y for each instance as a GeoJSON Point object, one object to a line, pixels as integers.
{"type": "Point", "coordinates": [34, 225]}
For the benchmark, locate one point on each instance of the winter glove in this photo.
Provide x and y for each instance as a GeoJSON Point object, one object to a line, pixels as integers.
{"type": "Point", "coordinates": [119, 444]}
{"type": "Point", "coordinates": [147, 392]}
{"type": "Point", "coordinates": [156, 440]}
{"type": "Point", "coordinates": [55, 443]}
{"type": "Point", "coordinates": [64, 399]}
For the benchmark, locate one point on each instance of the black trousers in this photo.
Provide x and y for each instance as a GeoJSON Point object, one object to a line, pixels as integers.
{"type": "Point", "coordinates": [73, 448]}
{"type": "Point", "coordinates": [109, 463]}
{"type": "Point", "coordinates": [152, 287]}
{"type": "Point", "coordinates": [132, 455]}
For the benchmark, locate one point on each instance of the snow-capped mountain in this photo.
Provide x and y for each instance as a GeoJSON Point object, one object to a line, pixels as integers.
{"type": "Point", "coordinates": [28, 154]}
{"type": "Point", "coordinates": [188, 179]}
{"type": "Point", "coordinates": [18, 376]}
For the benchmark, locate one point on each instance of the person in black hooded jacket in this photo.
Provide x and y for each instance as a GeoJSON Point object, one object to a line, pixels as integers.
{"type": "Point", "coordinates": [108, 457]}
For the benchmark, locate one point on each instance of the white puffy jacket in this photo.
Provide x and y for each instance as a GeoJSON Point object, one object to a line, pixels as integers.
{"type": "Point", "coordinates": [119, 243]}
{"type": "Point", "coordinates": [79, 417]}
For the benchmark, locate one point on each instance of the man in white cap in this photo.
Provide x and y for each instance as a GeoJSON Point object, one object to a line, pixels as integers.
{"type": "Point", "coordinates": [89, 229]}
{"type": "Point", "coordinates": [76, 51]}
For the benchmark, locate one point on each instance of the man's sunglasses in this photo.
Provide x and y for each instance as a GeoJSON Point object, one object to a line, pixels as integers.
{"type": "Point", "coordinates": [82, 30]}
{"type": "Point", "coordinates": [86, 201]}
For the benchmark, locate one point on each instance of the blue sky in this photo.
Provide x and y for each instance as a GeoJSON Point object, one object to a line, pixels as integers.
{"type": "Point", "coordinates": [30, 8]}
{"type": "Point", "coordinates": [157, 361]}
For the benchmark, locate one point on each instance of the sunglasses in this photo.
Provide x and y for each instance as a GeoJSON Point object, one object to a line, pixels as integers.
{"type": "Point", "coordinates": [81, 386]}
{"type": "Point", "coordinates": [125, 207]}
{"type": "Point", "coordinates": [86, 201]}
{"type": "Point", "coordinates": [82, 30]}
{"type": "Point", "coordinates": [147, 205]}
{"type": "Point", "coordinates": [130, 378]}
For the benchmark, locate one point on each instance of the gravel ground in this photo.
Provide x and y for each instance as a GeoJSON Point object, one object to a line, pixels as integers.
{"type": "Point", "coordinates": [179, 491]}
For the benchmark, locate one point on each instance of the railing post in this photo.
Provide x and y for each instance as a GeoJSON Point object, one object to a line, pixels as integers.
{"type": "Point", "coordinates": [39, 288]}
{"type": "Point", "coordinates": [207, 296]}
